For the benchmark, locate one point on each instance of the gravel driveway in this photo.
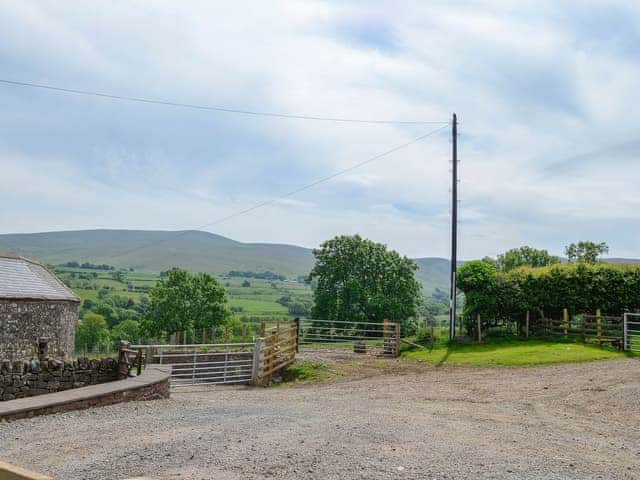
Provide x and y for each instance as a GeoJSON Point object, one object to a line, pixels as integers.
{"type": "Point", "coordinates": [564, 421]}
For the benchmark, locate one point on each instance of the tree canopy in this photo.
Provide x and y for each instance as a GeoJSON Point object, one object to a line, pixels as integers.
{"type": "Point", "coordinates": [525, 256]}
{"type": "Point", "coordinates": [360, 280]}
{"type": "Point", "coordinates": [182, 301]}
{"type": "Point", "coordinates": [585, 251]}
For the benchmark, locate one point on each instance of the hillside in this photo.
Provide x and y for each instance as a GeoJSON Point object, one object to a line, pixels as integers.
{"type": "Point", "coordinates": [154, 251]}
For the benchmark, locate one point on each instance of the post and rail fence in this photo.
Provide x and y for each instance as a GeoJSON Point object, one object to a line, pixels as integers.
{"type": "Point", "coordinates": [621, 331]}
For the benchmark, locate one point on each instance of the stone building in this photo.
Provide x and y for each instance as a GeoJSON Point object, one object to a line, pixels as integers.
{"type": "Point", "coordinates": [34, 304]}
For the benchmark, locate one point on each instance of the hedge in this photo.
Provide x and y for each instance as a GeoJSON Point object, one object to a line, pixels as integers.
{"type": "Point", "coordinates": [581, 288]}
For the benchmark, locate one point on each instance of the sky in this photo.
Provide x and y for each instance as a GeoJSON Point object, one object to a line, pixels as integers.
{"type": "Point", "coordinates": [546, 94]}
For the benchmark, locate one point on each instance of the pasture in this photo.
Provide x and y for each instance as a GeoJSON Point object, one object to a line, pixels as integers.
{"type": "Point", "coordinates": [255, 302]}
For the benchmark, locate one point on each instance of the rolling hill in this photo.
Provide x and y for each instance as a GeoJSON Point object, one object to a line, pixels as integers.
{"type": "Point", "coordinates": [155, 251]}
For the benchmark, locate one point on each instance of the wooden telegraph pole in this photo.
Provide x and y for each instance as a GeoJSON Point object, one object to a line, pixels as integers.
{"type": "Point", "coordinates": [454, 227]}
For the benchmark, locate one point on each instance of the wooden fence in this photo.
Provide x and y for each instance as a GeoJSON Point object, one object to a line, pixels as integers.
{"type": "Point", "coordinates": [596, 328]}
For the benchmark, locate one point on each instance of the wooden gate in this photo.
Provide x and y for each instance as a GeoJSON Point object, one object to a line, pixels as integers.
{"type": "Point", "coordinates": [279, 346]}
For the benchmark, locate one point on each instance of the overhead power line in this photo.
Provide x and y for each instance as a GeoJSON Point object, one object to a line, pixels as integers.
{"type": "Point", "coordinates": [288, 194]}
{"type": "Point", "coordinates": [215, 108]}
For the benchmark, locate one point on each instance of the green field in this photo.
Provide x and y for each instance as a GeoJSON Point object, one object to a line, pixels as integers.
{"type": "Point", "coordinates": [512, 352]}
{"type": "Point", "coordinates": [257, 301]}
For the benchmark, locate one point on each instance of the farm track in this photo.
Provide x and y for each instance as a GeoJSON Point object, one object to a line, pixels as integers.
{"type": "Point", "coordinates": [413, 421]}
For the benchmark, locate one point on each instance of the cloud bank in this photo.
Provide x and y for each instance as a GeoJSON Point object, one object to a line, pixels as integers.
{"type": "Point", "coordinates": [544, 91]}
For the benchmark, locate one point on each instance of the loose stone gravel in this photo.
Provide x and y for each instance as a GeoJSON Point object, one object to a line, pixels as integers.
{"type": "Point", "coordinates": [555, 422]}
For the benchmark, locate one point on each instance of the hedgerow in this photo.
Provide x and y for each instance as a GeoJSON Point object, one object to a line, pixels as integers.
{"type": "Point", "coordinates": [581, 288]}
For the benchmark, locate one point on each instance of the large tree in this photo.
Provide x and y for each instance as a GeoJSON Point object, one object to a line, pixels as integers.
{"type": "Point", "coordinates": [181, 302]}
{"type": "Point", "coordinates": [525, 256]}
{"type": "Point", "coordinates": [585, 251]}
{"type": "Point", "coordinates": [92, 332]}
{"type": "Point", "coordinates": [360, 280]}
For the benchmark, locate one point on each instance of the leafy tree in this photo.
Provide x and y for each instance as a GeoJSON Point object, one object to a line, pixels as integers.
{"type": "Point", "coordinates": [246, 284]}
{"type": "Point", "coordinates": [126, 330]}
{"type": "Point", "coordinates": [92, 331]}
{"type": "Point", "coordinates": [360, 280]}
{"type": "Point", "coordinates": [585, 251]}
{"type": "Point", "coordinates": [298, 309]}
{"type": "Point", "coordinates": [181, 301]}
{"type": "Point", "coordinates": [525, 256]}
{"type": "Point", "coordinates": [107, 312]}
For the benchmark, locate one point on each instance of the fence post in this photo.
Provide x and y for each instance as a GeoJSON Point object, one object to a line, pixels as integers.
{"type": "Point", "coordinates": [397, 342]}
{"type": "Point", "coordinates": [123, 363]}
{"type": "Point", "coordinates": [256, 367]}
{"type": "Point", "coordinates": [625, 331]}
{"type": "Point", "coordinates": [193, 371]}
{"type": "Point", "coordinates": [297, 322]}
{"type": "Point", "coordinates": [565, 321]}
{"type": "Point", "coordinates": [599, 325]}
{"type": "Point", "coordinates": [479, 331]}
{"type": "Point", "coordinates": [526, 326]}
{"type": "Point", "coordinates": [139, 360]}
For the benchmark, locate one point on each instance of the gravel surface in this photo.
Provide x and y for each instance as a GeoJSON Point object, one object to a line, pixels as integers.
{"type": "Point", "coordinates": [563, 421]}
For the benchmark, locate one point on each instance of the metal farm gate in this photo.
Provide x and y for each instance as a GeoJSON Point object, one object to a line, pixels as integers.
{"type": "Point", "coordinates": [632, 332]}
{"type": "Point", "coordinates": [227, 363]}
{"type": "Point", "coordinates": [204, 364]}
{"type": "Point", "coordinates": [362, 337]}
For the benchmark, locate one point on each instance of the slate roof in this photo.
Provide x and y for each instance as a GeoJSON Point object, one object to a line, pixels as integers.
{"type": "Point", "coordinates": [21, 278]}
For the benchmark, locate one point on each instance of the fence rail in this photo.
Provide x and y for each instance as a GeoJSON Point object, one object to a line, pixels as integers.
{"type": "Point", "coordinates": [596, 328]}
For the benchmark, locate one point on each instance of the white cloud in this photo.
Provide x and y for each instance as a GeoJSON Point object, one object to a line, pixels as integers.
{"type": "Point", "coordinates": [529, 83]}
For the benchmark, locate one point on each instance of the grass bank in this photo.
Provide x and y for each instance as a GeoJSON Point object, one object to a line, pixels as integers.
{"type": "Point", "coordinates": [512, 352]}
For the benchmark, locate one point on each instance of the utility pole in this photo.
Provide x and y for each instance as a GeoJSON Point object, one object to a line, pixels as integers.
{"type": "Point", "coordinates": [454, 226]}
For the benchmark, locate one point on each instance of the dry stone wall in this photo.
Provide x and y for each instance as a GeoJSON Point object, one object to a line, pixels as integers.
{"type": "Point", "coordinates": [19, 379]}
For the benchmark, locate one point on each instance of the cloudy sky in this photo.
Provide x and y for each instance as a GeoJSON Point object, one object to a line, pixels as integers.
{"type": "Point", "coordinates": [546, 93]}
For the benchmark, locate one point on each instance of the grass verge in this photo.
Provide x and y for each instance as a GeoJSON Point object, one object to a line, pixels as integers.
{"type": "Point", "coordinates": [308, 371]}
{"type": "Point", "coordinates": [513, 352]}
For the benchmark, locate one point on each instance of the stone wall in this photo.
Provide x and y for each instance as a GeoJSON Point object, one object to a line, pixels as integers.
{"type": "Point", "coordinates": [21, 379]}
{"type": "Point", "coordinates": [153, 384]}
{"type": "Point", "coordinates": [24, 322]}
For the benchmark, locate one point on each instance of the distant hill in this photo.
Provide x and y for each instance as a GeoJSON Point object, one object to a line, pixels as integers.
{"type": "Point", "coordinates": [155, 251]}
{"type": "Point", "coordinates": [628, 261]}
{"type": "Point", "coordinates": [434, 274]}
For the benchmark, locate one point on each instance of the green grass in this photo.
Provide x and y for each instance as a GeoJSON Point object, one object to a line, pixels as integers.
{"type": "Point", "coordinates": [513, 352]}
{"type": "Point", "coordinates": [307, 371]}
